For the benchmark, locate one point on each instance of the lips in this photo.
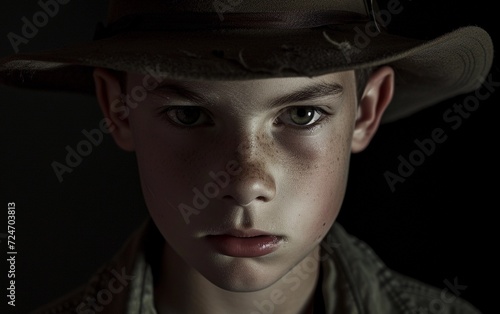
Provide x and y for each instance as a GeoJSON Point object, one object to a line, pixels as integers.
{"type": "Point", "coordinates": [251, 243]}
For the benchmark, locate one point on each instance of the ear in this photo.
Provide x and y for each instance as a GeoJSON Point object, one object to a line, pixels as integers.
{"type": "Point", "coordinates": [375, 99]}
{"type": "Point", "coordinates": [110, 97]}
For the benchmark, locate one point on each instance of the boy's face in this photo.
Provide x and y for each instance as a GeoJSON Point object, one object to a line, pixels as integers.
{"type": "Point", "coordinates": [243, 178]}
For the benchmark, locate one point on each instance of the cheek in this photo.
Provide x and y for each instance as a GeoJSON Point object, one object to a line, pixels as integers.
{"type": "Point", "coordinates": [319, 180]}
{"type": "Point", "coordinates": [156, 165]}
{"type": "Point", "coordinates": [168, 168]}
{"type": "Point", "coordinates": [322, 161]}
{"type": "Point", "coordinates": [326, 191]}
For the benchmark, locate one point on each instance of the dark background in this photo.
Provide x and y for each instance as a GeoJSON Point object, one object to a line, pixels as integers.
{"type": "Point", "coordinates": [438, 225]}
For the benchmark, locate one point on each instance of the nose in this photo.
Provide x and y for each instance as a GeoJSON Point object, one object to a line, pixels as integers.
{"type": "Point", "coordinates": [253, 181]}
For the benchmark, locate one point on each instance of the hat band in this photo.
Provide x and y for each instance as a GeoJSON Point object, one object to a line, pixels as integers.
{"type": "Point", "coordinates": [188, 21]}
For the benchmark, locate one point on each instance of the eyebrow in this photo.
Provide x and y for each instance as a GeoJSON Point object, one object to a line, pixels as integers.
{"type": "Point", "coordinates": [182, 91]}
{"type": "Point", "coordinates": [314, 91]}
{"type": "Point", "coordinates": [310, 92]}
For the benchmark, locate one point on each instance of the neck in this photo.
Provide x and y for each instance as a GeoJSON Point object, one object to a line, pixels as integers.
{"type": "Point", "coordinates": [182, 289]}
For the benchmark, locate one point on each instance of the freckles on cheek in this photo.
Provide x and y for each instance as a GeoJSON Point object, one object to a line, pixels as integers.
{"type": "Point", "coordinates": [329, 193]}
{"type": "Point", "coordinates": [328, 181]}
{"type": "Point", "coordinates": [327, 158]}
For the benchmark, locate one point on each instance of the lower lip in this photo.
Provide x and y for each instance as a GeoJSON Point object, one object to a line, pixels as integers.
{"type": "Point", "coordinates": [245, 246]}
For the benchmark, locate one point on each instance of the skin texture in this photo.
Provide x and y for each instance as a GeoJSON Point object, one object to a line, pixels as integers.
{"type": "Point", "coordinates": [254, 166]}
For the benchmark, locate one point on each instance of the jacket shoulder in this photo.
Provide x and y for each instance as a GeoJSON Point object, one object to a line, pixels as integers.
{"type": "Point", "coordinates": [108, 288]}
{"type": "Point", "coordinates": [378, 289]}
{"type": "Point", "coordinates": [423, 298]}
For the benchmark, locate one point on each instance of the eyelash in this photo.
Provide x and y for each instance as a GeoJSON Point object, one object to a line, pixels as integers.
{"type": "Point", "coordinates": [164, 113]}
{"type": "Point", "coordinates": [324, 117]}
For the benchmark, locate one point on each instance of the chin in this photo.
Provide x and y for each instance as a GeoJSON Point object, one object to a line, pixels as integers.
{"type": "Point", "coordinates": [241, 274]}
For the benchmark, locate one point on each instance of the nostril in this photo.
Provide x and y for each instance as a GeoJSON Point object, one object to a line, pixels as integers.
{"type": "Point", "coordinates": [239, 203]}
{"type": "Point", "coordinates": [244, 191]}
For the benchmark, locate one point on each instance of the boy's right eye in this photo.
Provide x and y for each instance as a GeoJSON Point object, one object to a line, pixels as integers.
{"type": "Point", "coordinates": [187, 116]}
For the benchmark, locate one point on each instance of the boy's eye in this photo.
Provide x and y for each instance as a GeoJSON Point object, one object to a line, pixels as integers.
{"type": "Point", "coordinates": [186, 115]}
{"type": "Point", "coordinates": [301, 116]}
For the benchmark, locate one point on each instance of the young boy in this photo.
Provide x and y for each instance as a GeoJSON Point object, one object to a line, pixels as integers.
{"type": "Point", "coordinates": [243, 120]}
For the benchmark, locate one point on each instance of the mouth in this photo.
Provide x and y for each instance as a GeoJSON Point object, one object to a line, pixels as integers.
{"type": "Point", "coordinates": [248, 243]}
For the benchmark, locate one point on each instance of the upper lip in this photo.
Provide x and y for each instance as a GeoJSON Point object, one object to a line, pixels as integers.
{"type": "Point", "coordinates": [244, 233]}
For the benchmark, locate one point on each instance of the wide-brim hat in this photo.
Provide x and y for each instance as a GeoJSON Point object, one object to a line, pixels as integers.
{"type": "Point", "coordinates": [243, 39]}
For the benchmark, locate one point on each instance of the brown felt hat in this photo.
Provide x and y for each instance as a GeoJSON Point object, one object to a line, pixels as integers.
{"type": "Point", "coordinates": [249, 39]}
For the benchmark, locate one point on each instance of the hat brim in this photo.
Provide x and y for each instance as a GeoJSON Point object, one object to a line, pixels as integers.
{"type": "Point", "coordinates": [426, 71]}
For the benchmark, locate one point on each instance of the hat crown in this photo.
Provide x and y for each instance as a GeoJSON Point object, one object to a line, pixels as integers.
{"type": "Point", "coordinates": [122, 8]}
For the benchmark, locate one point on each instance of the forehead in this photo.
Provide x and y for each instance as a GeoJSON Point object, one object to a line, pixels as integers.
{"type": "Point", "coordinates": [256, 89]}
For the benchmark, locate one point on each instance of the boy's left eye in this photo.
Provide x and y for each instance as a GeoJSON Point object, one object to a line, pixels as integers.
{"type": "Point", "coordinates": [301, 116]}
